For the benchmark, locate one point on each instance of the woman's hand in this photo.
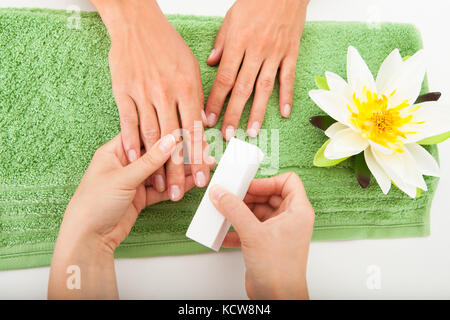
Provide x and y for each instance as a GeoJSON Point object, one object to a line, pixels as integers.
{"type": "Point", "coordinates": [155, 76]}
{"type": "Point", "coordinates": [273, 227]}
{"type": "Point", "coordinates": [102, 212]}
{"type": "Point", "coordinates": [256, 39]}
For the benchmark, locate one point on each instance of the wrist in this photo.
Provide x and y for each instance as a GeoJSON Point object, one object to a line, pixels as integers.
{"type": "Point", "coordinates": [86, 238]}
{"type": "Point", "coordinates": [86, 261]}
{"type": "Point", "coordinates": [119, 15]}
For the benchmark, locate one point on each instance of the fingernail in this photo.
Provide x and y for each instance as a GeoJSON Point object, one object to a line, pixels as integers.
{"type": "Point", "coordinates": [204, 116]}
{"type": "Point", "coordinates": [166, 143]}
{"type": "Point", "coordinates": [200, 178]}
{"type": "Point", "coordinates": [175, 192]}
{"type": "Point", "coordinates": [229, 133]}
{"type": "Point", "coordinates": [132, 156]}
{"type": "Point", "coordinates": [211, 160]}
{"type": "Point", "coordinates": [217, 192]}
{"type": "Point", "coordinates": [160, 185]}
{"type": "Point", "coordinates": [286, 110]}
{"type": "Point", "coordinates": [254, 129]}
{"type": "Point", "coordinates": [212, 53]}
{"type": "Point", "coordinates": [211, 119]}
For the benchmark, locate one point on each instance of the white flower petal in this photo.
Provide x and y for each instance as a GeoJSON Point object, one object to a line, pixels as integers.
{"type": "Point", "coordinates": [344, 144]}
{"type": "Point", "coordinates": [401, 167]}
{"type": "Point", "coordinates": [389, 69]}
{"type": "Point", "coordinates": [333, 104]}
{"type": "Point", "coordinates": [358, 73]}
{"type": "Point", "coordinates": [408, 83]}
{"type": "Point", "coordinates": [339, 85]}
{"type": "Point", "coordinates": [425, 161]}
{"type": "Point", "coordinates": [377, 171]}
{"type": "Point", "coordinates": [380, 148]}
{"type": "Point", "coordinates": [437, 121]}
{"type": "Point", "coordinates": [335, 128]}
{"type": "Point", "coordinates": [407, 188]}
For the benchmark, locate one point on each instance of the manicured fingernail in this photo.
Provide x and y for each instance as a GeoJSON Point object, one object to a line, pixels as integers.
{"type": "Point", "coordinates": [254, 129]}
{"type": "Point", "coordinates": [212, 53]}
{"type": "Point", "coordinates": [200, 179]}
{"type": "Point", "coordinates": [160, 185]}
{"type": "Point", "coordinates": [211, 119]}
{"type": "Point", "coordinates": [132, 156]}
{"type": "Point", "coordinates": [204, 117]}
{"type": "Point", "coordinates": [211, 160]}
{"type": "Point", "coordinates": [166, 143]}
{"type": "Point", "coordinates": [286, 110]}
{"type": "Point", "coordinates": [217, 192]}
{"type": "Point", "coordinates": [175, 192]}
{"type": "Point", "coordinates": [229, 133]}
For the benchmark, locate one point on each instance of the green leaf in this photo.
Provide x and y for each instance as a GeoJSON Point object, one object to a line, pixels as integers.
{"type": "Point", "coordinates": [361, 170]}
{"type": "Point", "coordinates": [435, 139]}
{"type": "Point", "coordinates": [321, 82]}
{"type": "Point", "coordinates": [406, 58]}
{"type": "Point", "coordinates": [321, 161]}
{"type": "Point", "coordinates": [322, 122]}
{"type": "Point", "coordinates": [418, 192]}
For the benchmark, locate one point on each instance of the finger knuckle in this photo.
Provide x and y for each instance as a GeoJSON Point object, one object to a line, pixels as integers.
{"type": "Point", "coordinates": [225, 79]}
{"type": "Point", "coordinates": [150, 134]}
{"type": "Point", "coordinates": [243, 88]}
{"type": "Point", "coordinates": [128, 120]}
{"type": "Point", "coordinates": [265, 84]}
{"type": "Point", "coordinates": [288, 77]}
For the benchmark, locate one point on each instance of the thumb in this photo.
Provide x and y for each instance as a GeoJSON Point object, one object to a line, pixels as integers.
{"type": "Point", "coordinates": [219, 43]}
{"type": "Point", "coordinates": [234, 209]}
{"type": "Point", "coordinates": [136, 172]}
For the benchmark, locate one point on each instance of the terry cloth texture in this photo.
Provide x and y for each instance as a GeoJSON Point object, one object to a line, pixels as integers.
{"type": "Point", "coordinates": [57, 108]}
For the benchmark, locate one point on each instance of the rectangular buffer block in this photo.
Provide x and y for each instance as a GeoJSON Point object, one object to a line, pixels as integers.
{"type": "Point", "coordinates": [235, 171]}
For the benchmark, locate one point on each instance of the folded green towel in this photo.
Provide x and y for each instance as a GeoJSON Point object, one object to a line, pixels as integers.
{"type": "Point", "coordinates": [57, 108]}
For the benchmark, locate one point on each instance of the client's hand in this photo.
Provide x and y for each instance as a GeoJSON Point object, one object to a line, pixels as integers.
{"type": "Point", "coordinates": [157, 87]}
{"type": "Point", "coordinates": [101, 214]}
{"type": "Point", "coordinates": [273, 227]}
{"type": "Point", "coordinates": [255, 40]}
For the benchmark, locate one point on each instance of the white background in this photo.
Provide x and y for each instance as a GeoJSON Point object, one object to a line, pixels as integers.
{"type": "Point", "coordinates": [409, 268]}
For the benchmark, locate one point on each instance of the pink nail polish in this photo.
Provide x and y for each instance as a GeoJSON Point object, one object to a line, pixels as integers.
{"type": "Point", "coordinates": [132, 156]}
{"type": "Point", "coordinates": [286, 110]}
{"type": "Point", "coordinates": [204, 117]}
{"type": "Point", "coordinates": [200, 179]}
{"type": "Point", "coordinates": [229, 133]}
{"type": "Point", "coordinates": [254, 129]}
{"type": "Point", "coordinates": [175, 192]}
{"type": "Point", "coordinates": [211, 119]}
{"type": "Point", "coordinates": [160, 185]}
{"type": "Point", "coordinates": [212, 53]}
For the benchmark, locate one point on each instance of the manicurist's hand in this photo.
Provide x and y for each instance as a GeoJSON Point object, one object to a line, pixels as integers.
{"type": "Point", "coordinates": [255, 40]}
{"type": "Point", "coordinates": [155, 81]}
{"type": "Point", "coordinates": [273, 227]}
{"type": "Point", "coordinates": [100, 215]}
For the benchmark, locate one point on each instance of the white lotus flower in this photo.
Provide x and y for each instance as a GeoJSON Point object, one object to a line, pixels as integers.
{"type": "Point", "coordinates": [380, 118]}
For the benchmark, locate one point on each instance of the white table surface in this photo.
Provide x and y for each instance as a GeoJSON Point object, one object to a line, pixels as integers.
{"type": "Point", "coordinates": [408, 268]}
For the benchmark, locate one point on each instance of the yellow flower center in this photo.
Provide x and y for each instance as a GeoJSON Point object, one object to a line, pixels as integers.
{"type": "Point", "coordinates": [380, 124]}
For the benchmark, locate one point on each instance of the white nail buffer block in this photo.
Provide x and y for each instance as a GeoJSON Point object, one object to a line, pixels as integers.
{"type": "Point", "coordinates": [235, 171]}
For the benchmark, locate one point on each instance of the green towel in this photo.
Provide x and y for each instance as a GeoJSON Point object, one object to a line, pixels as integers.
{"type": "Point", "coordinates": [57, 108]}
